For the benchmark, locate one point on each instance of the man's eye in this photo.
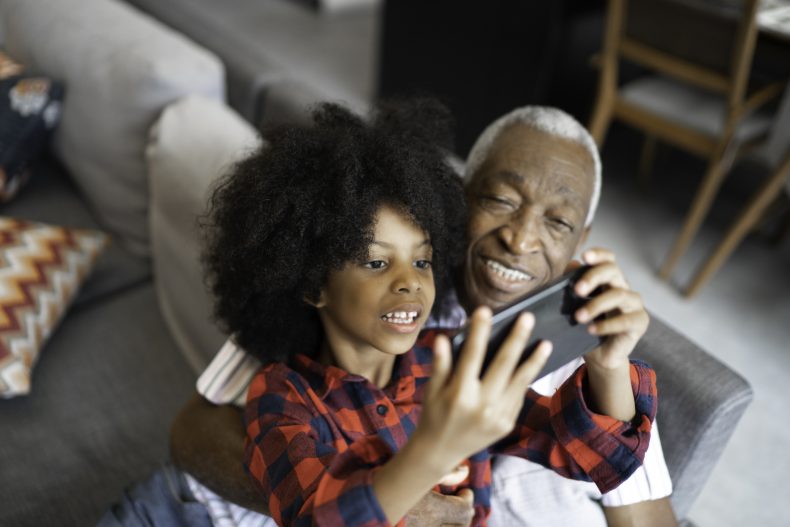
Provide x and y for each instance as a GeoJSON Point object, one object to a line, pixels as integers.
{"type": "Point", "coordinates": [496, 203]}
{"type": "Point", "coordinates": [561, 224]}
{"type": "Point", "coordinates": [423, 264]}
{"type": "Point", "coordinates": [375, 264]}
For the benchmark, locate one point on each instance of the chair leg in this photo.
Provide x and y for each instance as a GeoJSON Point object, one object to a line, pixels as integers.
{"type": "Point", "coordinates": [717, 169]}
{"type": "Point", "coordinates": [602, 117]}
{"type": "Point", "coordinates": [746, 220]}
{"type": "Point", "coordinates": [646, 160]}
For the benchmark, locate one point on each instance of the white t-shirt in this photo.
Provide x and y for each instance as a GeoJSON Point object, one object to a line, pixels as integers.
{"type": "Point", "coordinates": [523, 493]}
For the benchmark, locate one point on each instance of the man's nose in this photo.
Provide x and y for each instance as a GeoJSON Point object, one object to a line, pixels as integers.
{"type": "Point", "coordinates": [407, 280]}
{"type": "Point", "coordinates": [521, 234]}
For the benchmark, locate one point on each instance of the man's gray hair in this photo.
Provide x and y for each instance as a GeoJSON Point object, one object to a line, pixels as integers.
{"type": "Point", "coordinates": [552, 121]}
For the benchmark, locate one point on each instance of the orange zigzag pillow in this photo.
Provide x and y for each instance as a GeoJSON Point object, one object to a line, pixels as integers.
{"type": "Point", "coordinates": [41, 270]}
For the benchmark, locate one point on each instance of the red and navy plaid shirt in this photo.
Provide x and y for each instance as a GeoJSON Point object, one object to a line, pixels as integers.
{"type": "Point", "coordinates": [316, 434]}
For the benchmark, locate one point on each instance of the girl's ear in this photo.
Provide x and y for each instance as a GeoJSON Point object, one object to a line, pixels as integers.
{"type": "Point", "coordinates": [318, 303]}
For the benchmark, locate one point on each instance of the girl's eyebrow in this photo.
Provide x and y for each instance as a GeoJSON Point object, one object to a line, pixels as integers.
{"type": "Point", "coordinates": [386, 245]}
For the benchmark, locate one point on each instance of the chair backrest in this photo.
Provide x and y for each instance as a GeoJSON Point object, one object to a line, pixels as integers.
{"type": "Point", "coordinates": [707, 43]}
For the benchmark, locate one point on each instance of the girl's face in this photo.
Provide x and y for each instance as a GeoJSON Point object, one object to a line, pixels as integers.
{"type": "Point", "coordinates": [381, 303]}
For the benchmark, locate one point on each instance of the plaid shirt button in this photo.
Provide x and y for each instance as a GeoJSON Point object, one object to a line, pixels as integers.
{"type": "Point", "coordinates": [382, 409]}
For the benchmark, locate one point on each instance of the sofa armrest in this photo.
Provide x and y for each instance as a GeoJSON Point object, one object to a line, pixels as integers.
{"type": "Point", "coordinates": [701, 401]}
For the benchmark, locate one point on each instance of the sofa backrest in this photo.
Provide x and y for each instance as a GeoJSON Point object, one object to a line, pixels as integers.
{"type": "Point", "coordinates": [192, 144]}
{"type": "Point", "coordinates": [120, 69]}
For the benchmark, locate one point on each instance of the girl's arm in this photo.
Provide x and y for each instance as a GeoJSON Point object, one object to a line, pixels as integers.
{"type": "Point", "coordinates": [313, 480]}
{"type": "Point", "coordinates": [565, 434]}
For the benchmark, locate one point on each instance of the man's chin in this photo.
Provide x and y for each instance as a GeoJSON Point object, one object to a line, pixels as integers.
{"type": "Point", "coordinates": [494, 298]}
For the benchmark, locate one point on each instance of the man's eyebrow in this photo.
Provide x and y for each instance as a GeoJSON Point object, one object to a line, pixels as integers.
{"type": "Point", "coordinates": [386, 245]}
{"type": "Point", "coordinates": [510, 177]}
{"type": "Point", "coordinates": [516, 179]}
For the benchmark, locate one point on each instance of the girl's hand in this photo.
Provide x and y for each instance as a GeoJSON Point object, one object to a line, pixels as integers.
{"type": "Point", "coordinates": [464, 413]}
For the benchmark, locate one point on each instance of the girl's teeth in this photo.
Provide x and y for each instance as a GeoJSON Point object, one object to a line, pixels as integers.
{"type": "Point", "coordinates": [400, 317]}
{"type": "Point", "coordinates": [506, 273]}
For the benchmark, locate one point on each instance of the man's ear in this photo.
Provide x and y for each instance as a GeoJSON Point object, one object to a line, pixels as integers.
{"type": "Point", "coordinates": [583, 239]}
{"type": "Point", "coordinates": [318, 303]}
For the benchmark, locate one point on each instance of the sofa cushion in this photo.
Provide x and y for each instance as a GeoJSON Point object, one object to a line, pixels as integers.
{"type": "Point", "coordinates": [42, 267]}
{"type": "Point", "coordinates": [282, 42]}
{"type": "Point", "coordinates": [105, 394]}
{"type": "Point", "coordinates": [121, 69]}
{"type": "Point", "coordinates": [29, 111]}
{"type": "Point", "coordinates": [192, 144]}
{"type": "Point", "coordinates": [51, 197]}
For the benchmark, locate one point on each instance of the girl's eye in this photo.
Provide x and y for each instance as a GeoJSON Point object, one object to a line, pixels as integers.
{"type": "Point", "coordinates": [375, 264]}
{"type": "Point", "coordinates": [423, 264]}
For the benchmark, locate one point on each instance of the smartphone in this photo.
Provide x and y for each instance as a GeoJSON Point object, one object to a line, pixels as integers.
{"type": "Point", "coordinates": [554, 306]}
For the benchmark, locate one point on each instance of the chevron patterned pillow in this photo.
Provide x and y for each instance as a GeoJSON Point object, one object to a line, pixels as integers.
{"type": "Point", "coordinates": [41, 270]}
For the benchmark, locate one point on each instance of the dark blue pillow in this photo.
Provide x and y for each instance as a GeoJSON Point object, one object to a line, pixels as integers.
{"type": "Point", "coordinates": [29, 111]}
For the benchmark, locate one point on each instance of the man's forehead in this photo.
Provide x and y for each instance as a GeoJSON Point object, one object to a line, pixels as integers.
{"type": "Point", "coordinates": [522, 153]}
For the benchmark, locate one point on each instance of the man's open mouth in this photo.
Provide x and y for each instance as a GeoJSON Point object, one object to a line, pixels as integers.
{"type": "Point", "coordinates": [508, 273]}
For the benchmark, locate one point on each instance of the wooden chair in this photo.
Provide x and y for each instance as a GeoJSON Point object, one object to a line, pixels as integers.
{"type": "Point", "coordinates": [697, 94]}
{"type": "Point", "coordinates": [747, 219]}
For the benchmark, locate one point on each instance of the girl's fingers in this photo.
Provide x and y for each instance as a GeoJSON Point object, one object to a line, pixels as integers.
{"type": "Point", "coordinates": [500, 371]}
{"type": "Point", "coordinates": [442, 364]}
{"type": "Point", "coordinates": [473, 353]}
{"type": "Point", "coordinates": [528, 372]}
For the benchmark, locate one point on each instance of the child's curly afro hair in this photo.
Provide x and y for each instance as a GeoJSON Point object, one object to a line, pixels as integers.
{"type": "Point", "coordinates": [305, 204]}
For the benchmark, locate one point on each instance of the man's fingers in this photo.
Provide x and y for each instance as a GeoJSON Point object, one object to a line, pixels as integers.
{"type": "Point", "coordinates": [622, 300]}
{"type": "Point", "coordinates": [467, 496]}
{"type": "Point", "coordinates": [473, 353]}
{"type": "Point", "coordinates": [602, 274]}
{"type": "Point", "coordinates": [573, 265]}
{"type": "Point", "coordinates": [500, 371]}
{"type": "Point", "coordinates": [453, 510]}
{"type": "Point", "coordinates": [634, 323]}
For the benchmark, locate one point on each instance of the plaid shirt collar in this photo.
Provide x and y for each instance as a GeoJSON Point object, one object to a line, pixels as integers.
{"type": "Point", "coordinates": [324, 379]}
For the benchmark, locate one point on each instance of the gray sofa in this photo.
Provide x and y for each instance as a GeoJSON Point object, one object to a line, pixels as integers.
{"type": "Point", "coordinates": [145, 132]}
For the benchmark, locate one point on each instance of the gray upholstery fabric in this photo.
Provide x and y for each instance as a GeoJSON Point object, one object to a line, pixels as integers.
{"type": "Point", "coordinates": [192, 144]}
{"type": "Point", "coordinates": [266, 43]}
{"type": "Point", "coordinates": [700, 402]}
{"type": "Point", "coordinates": [107, 386]}
{"type": "Point", "coordinates": [120, 68]}
{"type": "Point", "coordinates": [51, 197]}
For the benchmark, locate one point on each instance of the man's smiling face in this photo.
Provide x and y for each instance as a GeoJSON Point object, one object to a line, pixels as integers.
{"type": "Point", "coordinates": [527, 206]}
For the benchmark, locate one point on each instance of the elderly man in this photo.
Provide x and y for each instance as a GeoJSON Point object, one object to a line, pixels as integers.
{"type": "Point", "coordinates": [533, 180]}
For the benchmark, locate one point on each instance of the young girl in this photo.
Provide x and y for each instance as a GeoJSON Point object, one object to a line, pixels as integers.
{"type": "Point", "coordinates": [327, 249]}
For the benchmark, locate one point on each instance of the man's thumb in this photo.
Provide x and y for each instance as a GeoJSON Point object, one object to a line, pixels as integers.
{"type": "Point", "coordinates": [467, 495]}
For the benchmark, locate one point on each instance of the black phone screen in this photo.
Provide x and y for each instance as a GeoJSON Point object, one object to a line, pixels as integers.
{"type": "Point", "coordinates": [553, 306]}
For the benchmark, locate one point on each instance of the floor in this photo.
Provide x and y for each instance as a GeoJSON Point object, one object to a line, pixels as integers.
{"type": "Point", "coordinates": [742, 316]}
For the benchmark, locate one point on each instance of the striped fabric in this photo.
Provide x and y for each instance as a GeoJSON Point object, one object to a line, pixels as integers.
{"type": "Point", "coordinates": [316, 434]}
{"type": "Point", "coordinates": [41, 269]}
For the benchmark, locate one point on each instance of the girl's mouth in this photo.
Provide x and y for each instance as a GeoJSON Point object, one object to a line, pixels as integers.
{"type": "Point", "coordinates": [400, 317]}
{"type": "Point", "coordinates": [404, 318]}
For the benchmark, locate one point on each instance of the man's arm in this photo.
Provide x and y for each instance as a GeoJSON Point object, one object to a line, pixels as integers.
{"type": "Point", "coordinates": [207, 441]}
{"type": "Point", "coordinates": [655, 513]}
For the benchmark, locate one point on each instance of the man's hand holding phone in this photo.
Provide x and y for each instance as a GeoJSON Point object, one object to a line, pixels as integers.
{"type": "Point", "coordinates": [621, 316]}
{"type": "Point", "coordinates": [617, 315]}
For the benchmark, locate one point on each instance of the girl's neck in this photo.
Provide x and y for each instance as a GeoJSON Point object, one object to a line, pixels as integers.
{"type": "Point", "coordinates": [375, 366]}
